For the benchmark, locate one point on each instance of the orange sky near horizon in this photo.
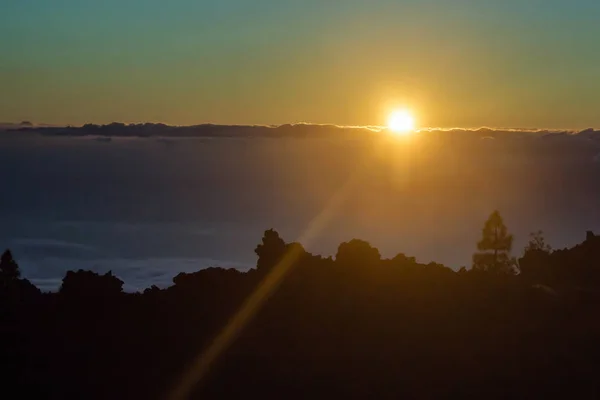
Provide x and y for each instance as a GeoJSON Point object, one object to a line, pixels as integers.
{"type": "Point", "coordinates": [454, 63]}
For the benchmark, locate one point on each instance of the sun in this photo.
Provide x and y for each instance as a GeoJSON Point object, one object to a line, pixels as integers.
{"type": "Point", "coordinates": [401, 122]}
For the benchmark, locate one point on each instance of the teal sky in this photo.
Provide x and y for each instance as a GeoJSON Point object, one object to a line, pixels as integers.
{"type": "Point", "coordinates": [527, 63]}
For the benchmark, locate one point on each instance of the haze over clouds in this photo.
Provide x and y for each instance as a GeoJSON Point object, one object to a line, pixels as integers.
{"type": "Point", "coordinates": [150, 201]}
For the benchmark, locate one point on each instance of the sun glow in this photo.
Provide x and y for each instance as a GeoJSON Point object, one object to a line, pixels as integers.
{"type": "Point", "coordinates": [401, 122]}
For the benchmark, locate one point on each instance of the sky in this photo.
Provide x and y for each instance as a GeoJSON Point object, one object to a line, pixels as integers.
{"type": "Point", "coordinates": [468, 63]}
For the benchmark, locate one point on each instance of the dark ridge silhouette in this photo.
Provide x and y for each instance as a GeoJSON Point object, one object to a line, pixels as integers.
{"type": "Point", "coordinates": [357, 326]}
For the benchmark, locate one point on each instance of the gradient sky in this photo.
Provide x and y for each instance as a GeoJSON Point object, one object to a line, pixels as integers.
{"type": "Point", "coordinates": [518, 63]}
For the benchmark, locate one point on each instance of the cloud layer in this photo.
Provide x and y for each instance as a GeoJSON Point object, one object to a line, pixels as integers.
{"type": "Point", "coordinates": [117, 129]}
{"type": "Point", "coordinates": [172, 198]}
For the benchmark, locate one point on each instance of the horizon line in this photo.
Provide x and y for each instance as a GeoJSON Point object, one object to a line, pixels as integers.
{"type": "Point", "coordinates": [377, 128]}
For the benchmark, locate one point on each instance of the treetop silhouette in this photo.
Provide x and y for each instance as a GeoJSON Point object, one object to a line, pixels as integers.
{"type": "Point", "coordinates": [494, 247]}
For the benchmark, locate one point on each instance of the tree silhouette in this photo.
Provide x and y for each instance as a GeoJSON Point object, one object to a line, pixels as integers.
{"type": "Point", "coordinates": [9, 269]}
{"type": "Point", "coordinates": [11, 285]}
{"type": "Point", "coordinates": [381, 322]}
{"type": "Point", "coordinates": [535, 264]}
{"type": "Point", "coordinates": [537, 242]}
{"type": "Point", "coordinates": [403, 260]}
{"type": "Point", "coordinates": [357, 252]}
{"type": "Point", "coordinates": [494, 247]}
{"type": "Point", "coordinates": [270, 251]}
{"type": "Point", "coordinates": [89, 284]}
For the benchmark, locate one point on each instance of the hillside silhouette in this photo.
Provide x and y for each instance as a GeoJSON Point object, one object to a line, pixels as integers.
{"type": "Point", "coordinates": [352, 326]}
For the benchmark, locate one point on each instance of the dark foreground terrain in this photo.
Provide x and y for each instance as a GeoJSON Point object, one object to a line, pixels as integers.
{"type": "Point", "coordinates": [356, 326]}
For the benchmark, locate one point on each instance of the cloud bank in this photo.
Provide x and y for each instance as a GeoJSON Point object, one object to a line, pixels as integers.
{"type": "Point", "coordinates": [117, 129]}
{"type": "Point", "coordinates": [150, 200]}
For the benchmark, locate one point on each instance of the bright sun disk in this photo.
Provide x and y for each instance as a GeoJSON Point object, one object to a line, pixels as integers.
{"type": "Point", "coordinates": [401, 122]}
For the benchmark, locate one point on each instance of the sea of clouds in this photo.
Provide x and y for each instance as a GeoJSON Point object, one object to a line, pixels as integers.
{"type": "Point", "coordinates": [148, 201]}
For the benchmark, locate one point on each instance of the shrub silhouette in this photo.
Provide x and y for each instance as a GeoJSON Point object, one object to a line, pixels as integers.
{"type": "Point", "coordinates": [535, 265]}
{"type": "Point", "coordinates": [88, 284]}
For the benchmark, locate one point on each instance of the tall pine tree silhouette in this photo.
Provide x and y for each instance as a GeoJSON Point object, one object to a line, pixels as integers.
{"type": "Point", "coordinates": [494, 247]}
{"type": "Point", "coordinates": [9, 269]}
